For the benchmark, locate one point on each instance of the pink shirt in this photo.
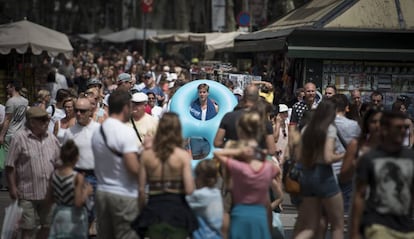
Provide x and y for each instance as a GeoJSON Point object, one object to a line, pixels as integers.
{"type": "Point", "coordinates": [249, 186]}
{"type": "Point", "coordinates": [33, 160]}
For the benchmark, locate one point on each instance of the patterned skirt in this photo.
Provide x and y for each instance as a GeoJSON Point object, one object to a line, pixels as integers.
{"type": "Point", "coordinates": [69, 222]}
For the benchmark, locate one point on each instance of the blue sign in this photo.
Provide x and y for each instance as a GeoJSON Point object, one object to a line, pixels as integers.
{"type": "Point", "coordinates": [243, 19]}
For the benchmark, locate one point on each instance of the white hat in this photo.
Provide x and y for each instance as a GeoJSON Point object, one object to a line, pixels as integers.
{"type": "Point", "coordinates": [238, 91]}
{"type": "Point", "coordinates": [171, 84]}
{"type": "Point", "coordinates": [139, 97]}
{"type": "Point", "coordinates": [166, 68]}
{"type": "Point", "coordinates": [283, 108]}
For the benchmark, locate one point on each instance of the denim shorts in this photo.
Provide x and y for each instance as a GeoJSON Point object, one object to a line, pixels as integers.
{"type": "Point", "coordinates": [319, 181]}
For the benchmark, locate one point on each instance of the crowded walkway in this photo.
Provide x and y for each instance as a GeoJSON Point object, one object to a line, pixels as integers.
{"type": "Point", "coordinates": [98, 153]}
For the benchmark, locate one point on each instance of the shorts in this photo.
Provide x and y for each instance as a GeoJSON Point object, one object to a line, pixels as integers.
{"type": "Point", "coordinates": [35, 212]}
{"type": "Point", "coordinates": [380, 231]}
{"type": "Point", "coordinates": [161, 230]}
{"type": "Point", "coordinates": [115, 214]}
{"type": "Point", "coordinates": [319, 181]}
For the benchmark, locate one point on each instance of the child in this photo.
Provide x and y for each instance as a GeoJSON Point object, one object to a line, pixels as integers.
{"type": "Point", "coordinates": [206, 201]}
{"type": "Point", "coordinates": [69, 191]}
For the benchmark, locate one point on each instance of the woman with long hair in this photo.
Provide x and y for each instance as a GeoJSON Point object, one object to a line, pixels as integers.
{"type": "Point", "coordinates": [319, 188]}
{"type": "Point", "coordinates": [368, 139]}
{"type": "Point", "coordinates": [42, 99]}
{"type": "Point", "coordinates": [254, 176]}
{"type": "Point", "coordinates": [70, 119]}
{"type": "Point", "coordinates": [166, 169]}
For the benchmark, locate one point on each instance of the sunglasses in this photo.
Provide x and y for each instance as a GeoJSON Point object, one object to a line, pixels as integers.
{"type": "Point", "coordinates": [82, 111]}
{"type": "Point", "coordinates": [401, 127]}
{"type": "Point", "coordinates": [43, 120]}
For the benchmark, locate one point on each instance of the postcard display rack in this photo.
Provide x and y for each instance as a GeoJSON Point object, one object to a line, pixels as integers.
{"type": "Point", "coordinates": [392, 79]}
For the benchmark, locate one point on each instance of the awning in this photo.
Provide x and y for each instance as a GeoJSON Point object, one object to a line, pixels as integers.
{"type": "Point", "coordinates": [276, 44]}
{"type": "Point", "coordinates": [351, 53]}
{"type": "Point", "coordinates": [24, 34]}
{"type": "Point", "coordinates": [339, 29]}
{"type": "Point", "coordinates": [129, 34]}
{"type": "Point", "coordinates": [214, 41]}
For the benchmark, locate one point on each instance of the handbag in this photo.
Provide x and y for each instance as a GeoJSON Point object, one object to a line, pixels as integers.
{"type": "Point", "coordinates": [291, 176]}
{"type": "Point", "coordinates": [12, 216]}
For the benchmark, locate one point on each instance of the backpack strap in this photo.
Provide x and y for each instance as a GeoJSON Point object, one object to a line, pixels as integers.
{"type": "Point", "coordinates": [136, 130]}
{"type": "Point", "coordinates": [53, 110]}
{"type": "Point", "coordinates": [106, 143]}
{"type": "Point", "coordinates": [341, 139]}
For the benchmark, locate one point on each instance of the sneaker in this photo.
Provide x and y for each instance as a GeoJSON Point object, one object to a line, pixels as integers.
{"type": "Point", "coordinates": [3, 188]}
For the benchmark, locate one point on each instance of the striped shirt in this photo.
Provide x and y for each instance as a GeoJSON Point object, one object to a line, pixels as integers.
{"type": "Point", "coordinates": [64, 188]}
{"type": "Point", "coordinates": [33, 160]}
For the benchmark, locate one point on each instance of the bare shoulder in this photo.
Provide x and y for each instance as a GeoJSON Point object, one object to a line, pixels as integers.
{"type": "Point", "coordinates": [146, 155]}
{"type": "Point", "coordinates": [182, 152]}
{"type": "Point", "coordinates": [79, 179]}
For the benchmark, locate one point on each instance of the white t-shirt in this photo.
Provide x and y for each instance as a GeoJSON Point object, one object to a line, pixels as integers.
{"type": "Point", "coordinates": [2, 113]}
{"type": "Point", "coordinates": [156, 112]}
{"type": "Point", "coordinates": [111, 173]}
{"type": "Point", "coordinates": [55, 116]}
{"type": "Point", "coordinates": [82, 135]}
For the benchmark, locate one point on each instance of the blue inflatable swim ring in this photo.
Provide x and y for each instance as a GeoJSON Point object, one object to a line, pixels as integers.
{"type": "Point", "coordinates": [192, 127]}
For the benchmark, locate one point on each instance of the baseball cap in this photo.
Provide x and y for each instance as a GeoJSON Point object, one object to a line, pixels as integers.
{"type": "Point", "coordinates": [124, 77]}
{"type": "Point", "coordinates": [148, 74]}
{"type": "Point", "coordinates": [283, 108]}
{"type": "Point", "coordinates": [139, 97]}
{"type": "Point", "coordinates": [94, 81]}
{"type": "Point", "coordinates": [36, 112]}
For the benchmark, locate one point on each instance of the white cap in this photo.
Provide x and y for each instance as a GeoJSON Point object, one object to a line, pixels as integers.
{"type": "Point", "coordinates": [105, 100]}
{"type": "Point", "coordinates": [139, 97]}
{"type": "Point", "coordinates": [171, 84]}
{"type": "Point", "coordinates": [283, 108]}
{"type": "Point", "coordinates": [238, 91]}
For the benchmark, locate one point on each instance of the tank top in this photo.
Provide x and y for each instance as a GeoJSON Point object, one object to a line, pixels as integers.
{"type": "Point", "coordinates": [64, 189]}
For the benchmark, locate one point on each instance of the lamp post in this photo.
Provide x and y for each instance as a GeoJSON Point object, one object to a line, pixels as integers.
{"type": "Point", "coordinates": [146, 7]}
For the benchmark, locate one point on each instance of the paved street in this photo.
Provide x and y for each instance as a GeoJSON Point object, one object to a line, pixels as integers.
{"type": "Point", "coordinates": [288, 216]}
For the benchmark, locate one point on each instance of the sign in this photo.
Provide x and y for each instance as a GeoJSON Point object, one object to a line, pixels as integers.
{"type": "Point", "coordinates": [146, 6]}
{"type": "Point", "coordinates": [243, 19]}
{"type": "Point", "coordinates": [218, 15]}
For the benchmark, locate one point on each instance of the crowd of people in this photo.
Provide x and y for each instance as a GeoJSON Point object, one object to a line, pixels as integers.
{"type": "Point", "coordinates": [99, 154]}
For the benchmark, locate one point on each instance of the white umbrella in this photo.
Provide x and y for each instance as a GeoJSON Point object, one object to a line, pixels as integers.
{"type": "Point", "coordinates": [24, 34]}
{"type": "Point", "coordinates": [129, 34]}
